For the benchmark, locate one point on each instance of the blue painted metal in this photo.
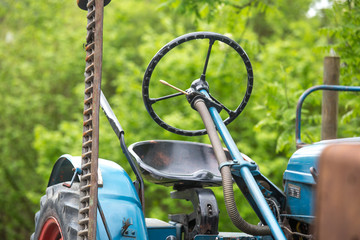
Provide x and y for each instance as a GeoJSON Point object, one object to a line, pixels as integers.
{"type": "Point", "coordinates": [262, 204]}
{"type": "Point", "coordinates": [161, 232]}
{"type": "Point", "coordinates": [271, 190]}
{"type": "Point", "coordinates": [231, 235]}
{"type": "Point", "coordinates": [246, 174]}
{"type": "Point", "coordinates": [299, 183]}
{"type": "Point", "coordinates": [115, 124]}
{"type": "Point", "coordinates": [206, 237]}
{"type": "Point", "coordinates": [225, 134]}
{"type": "Point", "coordinates": [306, 93]}
{"type": "Point", "coordinates": [119, 200]}
{"type": "Point", "coordinates": [118, 197]}
{"type": "Point", "coordinates": [301, 208]}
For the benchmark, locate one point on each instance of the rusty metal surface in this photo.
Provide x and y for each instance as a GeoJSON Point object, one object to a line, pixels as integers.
{"type": "Point", "coordinates": [338, 195]}
{"type": "Point", "coordinates": [90, 147]}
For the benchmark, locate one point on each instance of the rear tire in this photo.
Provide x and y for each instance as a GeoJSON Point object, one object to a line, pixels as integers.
{"type": "Point", "coordinates": [58, 215]}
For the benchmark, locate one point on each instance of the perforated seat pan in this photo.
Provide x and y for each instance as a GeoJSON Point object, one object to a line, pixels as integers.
{"type": "Point", "coordinates": [177, 163]}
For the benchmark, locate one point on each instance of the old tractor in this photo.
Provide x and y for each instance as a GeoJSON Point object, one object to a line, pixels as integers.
{"type": "Point", "coordinates": [92, 198]}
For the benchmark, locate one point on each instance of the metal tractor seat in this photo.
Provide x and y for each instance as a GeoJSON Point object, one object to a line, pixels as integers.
{"type": "Point", "coordinates": [177, 163]}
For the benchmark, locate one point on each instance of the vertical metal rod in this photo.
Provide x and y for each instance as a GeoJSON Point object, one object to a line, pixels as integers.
{"type": "Point", "coordinates": [330, 99]}
{"type": "Point", "coordinates": [102, 215]}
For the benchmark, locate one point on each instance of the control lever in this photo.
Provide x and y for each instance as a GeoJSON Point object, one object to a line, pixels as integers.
{"type": "Point", "coordinates": [172, 86]}
{"type": "Point", "coordinates": [77, 171]}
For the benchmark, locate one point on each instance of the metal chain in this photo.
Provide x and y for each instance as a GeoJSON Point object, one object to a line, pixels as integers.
{"type": "Point", "coordinates": [90, 146]}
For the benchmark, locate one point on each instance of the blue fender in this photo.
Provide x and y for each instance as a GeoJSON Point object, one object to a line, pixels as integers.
{"type": "Point", "coordinates": [118, 198]}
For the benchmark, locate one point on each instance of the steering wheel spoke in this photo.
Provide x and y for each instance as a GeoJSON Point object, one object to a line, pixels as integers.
{"type": "Point", "coordinates": [154, 100]}
{"type": "Point", "coordinates": [211, 43]}
{"type": "Point", "coordinates": [212, 38]}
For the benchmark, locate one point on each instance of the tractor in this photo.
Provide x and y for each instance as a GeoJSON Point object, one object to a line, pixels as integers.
{"type": "Point", "coordinates": [92, 198]}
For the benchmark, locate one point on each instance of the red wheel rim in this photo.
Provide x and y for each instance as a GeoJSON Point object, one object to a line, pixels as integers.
{"type": "Point", "coordinates": [51, 230]}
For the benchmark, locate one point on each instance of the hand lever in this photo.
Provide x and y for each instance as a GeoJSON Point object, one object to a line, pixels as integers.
{"type": "Point", "coordinates": [77, 171]}
{"type": "Point", "coordinates": [177, 89]}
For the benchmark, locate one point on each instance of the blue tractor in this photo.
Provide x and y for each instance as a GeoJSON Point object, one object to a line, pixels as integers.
{"type": "Point", "coordinates": [72, 209]}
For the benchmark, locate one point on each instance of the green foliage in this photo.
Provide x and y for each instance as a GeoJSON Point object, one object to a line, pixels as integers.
{"type": "Point", "coordinates": [344, 36]}
{"type": "Point", "coordinates": [38, 54]}
{"type": "Point", "coordinates": [342, 30]}
{"type": "Point", "coordinates": [41, 74]}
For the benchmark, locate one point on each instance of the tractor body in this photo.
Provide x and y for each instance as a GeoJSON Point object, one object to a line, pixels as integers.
{"type": "Point", "coordinates": [300, 179]}
{"type": "Point", "coordinates": [117, 195]}
{"type": "Point", "coordinates": [122, 208]}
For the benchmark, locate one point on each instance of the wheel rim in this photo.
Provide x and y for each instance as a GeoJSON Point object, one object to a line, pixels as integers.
{"type": "Point", "coordinates": [51, 230]}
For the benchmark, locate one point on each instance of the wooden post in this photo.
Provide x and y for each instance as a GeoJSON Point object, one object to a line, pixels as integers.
{"type": "Point", "coordinates": [330, 98]}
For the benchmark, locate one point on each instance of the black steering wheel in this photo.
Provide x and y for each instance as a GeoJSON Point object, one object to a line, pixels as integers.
{"type": "Point", "coordinates": [212, 37]}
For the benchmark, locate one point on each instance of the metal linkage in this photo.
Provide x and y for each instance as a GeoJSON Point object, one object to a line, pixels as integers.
{"type": "Point", "coordinates": [90, 146]}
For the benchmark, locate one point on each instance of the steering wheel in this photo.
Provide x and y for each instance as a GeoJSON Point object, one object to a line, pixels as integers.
{"type": "Point", "coordinates": [212, 37]}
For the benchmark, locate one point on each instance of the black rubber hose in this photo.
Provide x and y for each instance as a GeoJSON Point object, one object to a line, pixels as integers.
{"type": "Point", "coordinates": [227, 182]}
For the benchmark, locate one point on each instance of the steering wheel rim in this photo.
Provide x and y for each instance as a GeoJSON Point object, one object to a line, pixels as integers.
{"type": "Point", "coordinates": [176, 42]}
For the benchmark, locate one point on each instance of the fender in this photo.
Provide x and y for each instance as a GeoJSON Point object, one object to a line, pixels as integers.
{"type": "Point", "coordinates": [117, 195]}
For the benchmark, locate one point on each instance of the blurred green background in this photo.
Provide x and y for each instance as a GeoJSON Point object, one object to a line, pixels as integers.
{"type": "Point", "coordinates": [41, 85]}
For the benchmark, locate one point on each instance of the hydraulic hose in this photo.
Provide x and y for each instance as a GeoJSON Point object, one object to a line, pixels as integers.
{"type": "Point", "coordinates": [225, 171]}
